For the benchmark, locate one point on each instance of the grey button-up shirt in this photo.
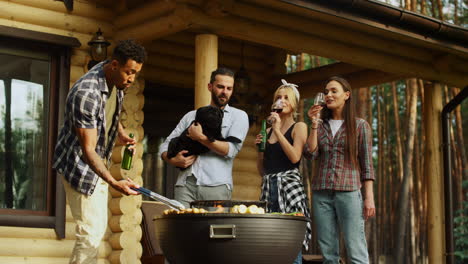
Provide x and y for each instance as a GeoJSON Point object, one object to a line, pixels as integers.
{"type": "Point", "coordinates": [209, 168]}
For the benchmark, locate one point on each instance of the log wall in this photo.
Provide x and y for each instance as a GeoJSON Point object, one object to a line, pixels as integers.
{"type": "Point", "coordinates": [40, 245]}
{"type": "Point", "coordinates": [171, 62]}
{"type": "Point", "coordinates": [126, 215]}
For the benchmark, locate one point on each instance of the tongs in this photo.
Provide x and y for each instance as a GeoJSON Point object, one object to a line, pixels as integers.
{"type": "Point", "coordinates": [171, 203]}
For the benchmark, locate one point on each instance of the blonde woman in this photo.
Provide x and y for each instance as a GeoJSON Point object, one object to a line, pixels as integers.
{"type": "Point", "coordinates": [282, 186]}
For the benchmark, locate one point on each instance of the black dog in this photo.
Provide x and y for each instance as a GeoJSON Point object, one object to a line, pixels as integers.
{"type": "Point", "coordinates": [210, 118]}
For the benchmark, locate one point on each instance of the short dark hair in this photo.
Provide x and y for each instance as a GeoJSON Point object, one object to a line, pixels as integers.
{"type": "Point", "coordinates": [221, 71]}
{"type": "Point", "coordinates": [129, 50]}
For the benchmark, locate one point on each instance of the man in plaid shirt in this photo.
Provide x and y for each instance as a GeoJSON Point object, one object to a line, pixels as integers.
{"type": "Point", "coordinates": [86, 140]}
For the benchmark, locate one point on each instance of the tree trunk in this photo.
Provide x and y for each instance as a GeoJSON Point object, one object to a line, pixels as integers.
{"type": "Point", "coordinates": [439, 8]}
{"type": "Point", "coordinates": [403, 204]}
{"type": "Point", "coordinates": [408, 4]}
{"type": "Point", "coordinates": [397, 134]}
{"type": "Point", "coordinates": [423, 7]}
{"type": "Point", "coordinates": [380, 180]}
{"type": "Point", "coordinates": [299, 64]}
{"type": "Point", "coordinates": [317, 61]}
{"type": "Point", "coordinates": [423, 192]}
{"type": "Point", "coordinates": [456, 154]}
{"type": "Point", "coordinates": [460, 139]}
{"type": "Point", "coordinates": [363, 103]}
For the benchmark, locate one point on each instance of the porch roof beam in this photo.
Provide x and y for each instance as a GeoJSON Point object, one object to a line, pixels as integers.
{"type": "Point", "coordinates": [175, 21]}
{"type": "Point", "coordinates": [151, 10]}
{"type": "Point", "coordinates": [312, 81]}
{"type": "Point", "coordinates": [292, 40]}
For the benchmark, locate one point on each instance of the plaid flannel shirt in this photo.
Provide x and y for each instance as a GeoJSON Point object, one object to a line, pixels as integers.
{"type": "Point", "coordinates": [85, 108]}
{"type": "Point", "coordinates": [334, 173]}
{"type": "Point", "coordinates": [291, 196]}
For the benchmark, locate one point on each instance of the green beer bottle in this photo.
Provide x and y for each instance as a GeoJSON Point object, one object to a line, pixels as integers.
{"type": "Point", "coordinates": [263, 132]}
{"type": "Point", "coordinates": [127, 157]}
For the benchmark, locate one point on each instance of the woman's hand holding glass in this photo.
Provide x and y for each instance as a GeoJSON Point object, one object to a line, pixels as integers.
{"type": "Point", "coordinates": [314, 114]}
{"type": "Point", "coordinates": [276, 108]}
{"type": "Point", "coordinates": [314, 111]}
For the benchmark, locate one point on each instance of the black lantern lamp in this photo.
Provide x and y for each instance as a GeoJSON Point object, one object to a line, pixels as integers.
{"type": "Point", "coordinates": [241, 78]}
{"type": "Point", "coordinates": [98, 49]}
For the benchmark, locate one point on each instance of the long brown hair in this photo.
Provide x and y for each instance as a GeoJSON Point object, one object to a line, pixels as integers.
{"type": "Point", "coordinates": [349, 114]}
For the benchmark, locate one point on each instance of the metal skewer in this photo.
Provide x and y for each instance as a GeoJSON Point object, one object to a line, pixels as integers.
{"type": "Point", "coordinates": [169, 202]}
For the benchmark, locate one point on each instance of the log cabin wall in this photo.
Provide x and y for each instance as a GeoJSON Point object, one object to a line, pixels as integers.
{"type": "Point", "coordinates": [40, 245]}
{"type": "Point", "coordinates": [171, 64]}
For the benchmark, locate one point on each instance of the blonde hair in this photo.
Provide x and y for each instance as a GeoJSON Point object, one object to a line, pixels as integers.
{"type": "Point", "coordinates": [292, 93]}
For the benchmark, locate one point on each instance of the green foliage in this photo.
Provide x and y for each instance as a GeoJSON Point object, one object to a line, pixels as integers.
{"type": "Point", "coordinates": [461, 230]}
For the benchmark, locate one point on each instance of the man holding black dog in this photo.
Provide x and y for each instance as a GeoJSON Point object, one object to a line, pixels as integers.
{"type": "Point", "coordinates": [209, 175]}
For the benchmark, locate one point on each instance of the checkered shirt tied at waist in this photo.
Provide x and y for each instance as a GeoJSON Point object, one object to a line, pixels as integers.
{"type": "Point", "coordinates": [85, 108]}
{"type": "Point", "coordinates": [334, 172]}
{"type": "Point", "coordinates": [291, 196]}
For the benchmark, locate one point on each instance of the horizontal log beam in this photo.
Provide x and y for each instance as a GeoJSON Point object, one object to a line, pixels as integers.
{"type": "Point", "coordinates": [358, 79]}
{"type": "Point", "coordinates": [169, 74]}
{"type": "Point", "coordinates": [320, 73]}
{"type": "Point", "coordinates": [144, 12]}
{"type": "Point", "coordinates": [233, 46]}
{"type": "Point", "coordinates": [183, 57]}
{"type": "Point", "coordinates": [82, 38]}
{"type": "Point", "coordinates": [126, 239]}
{"type": "Point", "coordinates": [173, 22]}
{"type": "Point", "coordinates": [125, 205]}
{"type": "Point", "coordinates": [43, 247]}
{"type": "Point", "coordinates": [126, 222]}
{"type": "Point", "coordinates": [39, 233]}
{"type": "Point", "coordinates": [184, 80]}
{"type": "Point", "coordinates": [53, 19]}
{"type": "Point", "coordinates": [245, 192]}
{"type": "Point", "coordinates": [347, 21]}
{"type": "Point", "coordinates": [80, 8]}
{"type": "Point", "coordinates": [337, 32]}
{"type": "Point", "coordinates": [293, 40]}
{"type": "Point", "coordinates": [246, 166]}
{"type": "Point", "coordinates": [41, 260]}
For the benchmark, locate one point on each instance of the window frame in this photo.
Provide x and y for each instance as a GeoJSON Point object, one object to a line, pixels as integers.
{"type": "Point", "coordinates": [59, 49]}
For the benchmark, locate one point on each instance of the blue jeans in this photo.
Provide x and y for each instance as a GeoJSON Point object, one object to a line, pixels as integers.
{"type": "Point", "coordinates": [273, 204]}
{"type": "Point", "coordinates": [335, 211]}
{"type": "Point", "coordinates": [298, 260]}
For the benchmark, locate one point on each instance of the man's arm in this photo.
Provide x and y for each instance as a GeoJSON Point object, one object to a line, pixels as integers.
{"type": "Point", "coordinates": [195, 132]}
{"type": "Point", "coordinates": [238, 129]}
{"type": "Point", "coordinates": [179, 160]}
{"type": "Point", "coordinates": [88, 141]}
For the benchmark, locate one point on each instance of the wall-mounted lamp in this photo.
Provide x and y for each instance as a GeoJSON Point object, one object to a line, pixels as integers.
{"type": "Point", "coordinates": [242, 78]}
{"type": "Point", "coordinates": [98, 46]}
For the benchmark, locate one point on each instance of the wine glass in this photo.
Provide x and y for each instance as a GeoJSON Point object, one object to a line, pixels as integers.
{"type": "Point", "coordinates": [276, 107]}
{"type": "Point", "coordinates": [319, 100]}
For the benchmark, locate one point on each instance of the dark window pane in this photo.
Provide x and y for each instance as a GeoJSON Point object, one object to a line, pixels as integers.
{"type": "Point", "coordinates": [24, 91]}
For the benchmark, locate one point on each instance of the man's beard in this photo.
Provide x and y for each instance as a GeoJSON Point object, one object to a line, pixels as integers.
{"type": "Point", "coordinates": [217, 101]}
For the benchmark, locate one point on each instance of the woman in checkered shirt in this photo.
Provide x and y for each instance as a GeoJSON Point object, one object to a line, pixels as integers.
{"type": "Point", "coordinates": [342, 143]}
{"type": "Point", "coordinates": [279, 165]}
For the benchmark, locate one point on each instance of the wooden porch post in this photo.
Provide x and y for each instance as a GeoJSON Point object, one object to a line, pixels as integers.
{"type": "Point", "coordinates": [434, 171]}
{"type": "Point", "coordinates": [206, 61]}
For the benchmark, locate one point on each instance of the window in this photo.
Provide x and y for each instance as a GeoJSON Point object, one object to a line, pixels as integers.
{"type": "Point", "coordinates": [34, 79]}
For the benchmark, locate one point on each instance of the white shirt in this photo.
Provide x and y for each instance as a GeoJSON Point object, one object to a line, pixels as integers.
{"type": "Point", "coordinates": [209, 168]}
{"type": "Point", "coordinates": [335, 125]}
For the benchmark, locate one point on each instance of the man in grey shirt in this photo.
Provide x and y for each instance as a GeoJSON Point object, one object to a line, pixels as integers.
{"type": "Point", "coordinates": [209, 175]}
